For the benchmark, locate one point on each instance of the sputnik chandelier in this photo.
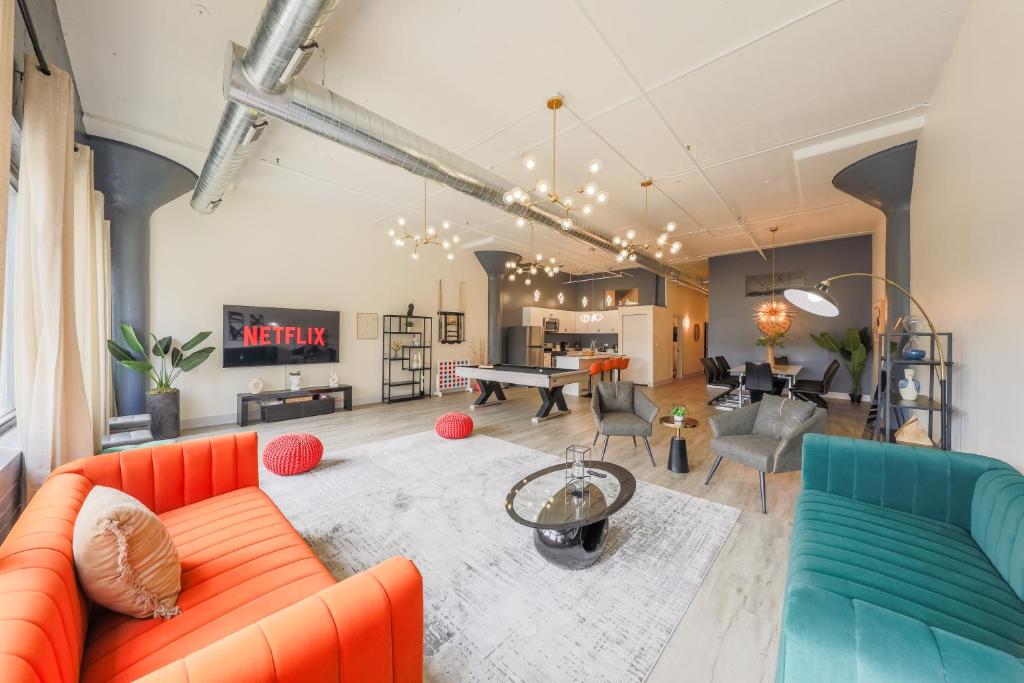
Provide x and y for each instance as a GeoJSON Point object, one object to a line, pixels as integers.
{"type": "Point", "coordinates": [545, 191]}
{"type": "Point", "coordinates": [551, 266]}
{"type": "Point", "coordinates": [430, 236]}
{"type": "Point", "coordinates": [771, 315]}
{"type": "Point", "coordinates": [628, 244]}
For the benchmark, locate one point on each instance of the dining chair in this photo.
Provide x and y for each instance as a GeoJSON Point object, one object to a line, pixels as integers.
{"type": "Point", "coordinates": [758, 380]}
{"type": "Point", "coordinates": [713, 378]}
{"type": "Point", "coordinates": [814, 391]}
{"type": "Point", "coordinates": [782, 360]}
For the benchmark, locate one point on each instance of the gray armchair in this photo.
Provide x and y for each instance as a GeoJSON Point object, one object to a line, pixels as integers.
{"type": "Point", "coordinates": [620, 409]}
{"type": "Point", "coordinates": [767, 435]}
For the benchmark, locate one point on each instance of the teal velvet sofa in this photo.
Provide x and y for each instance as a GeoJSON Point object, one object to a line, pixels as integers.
{"type": "Point", "coordinates": [906, 564]}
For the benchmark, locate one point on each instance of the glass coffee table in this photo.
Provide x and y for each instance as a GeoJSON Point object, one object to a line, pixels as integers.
{"type": "Point", "coordinates": [570, 522]}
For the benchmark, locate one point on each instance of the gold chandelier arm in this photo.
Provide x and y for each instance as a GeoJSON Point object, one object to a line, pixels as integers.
{"type": "Point", "coordinates": [931, 325]}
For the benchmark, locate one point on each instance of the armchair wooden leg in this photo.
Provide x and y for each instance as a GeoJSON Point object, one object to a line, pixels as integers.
{"type": "Point", "coordinates": [714, 468]}
{"type": "Point", "coordinates": [764, 505]}
{"type": "Point", "coordinates": [649, 454]}
{"type": "Point", "coordinates": [605, 449]}
{"type": "Point", "coordinates": [634, 442]}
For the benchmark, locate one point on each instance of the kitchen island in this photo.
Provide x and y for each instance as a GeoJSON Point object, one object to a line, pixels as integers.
{"type": "Point", "coordinates": [581, 362]}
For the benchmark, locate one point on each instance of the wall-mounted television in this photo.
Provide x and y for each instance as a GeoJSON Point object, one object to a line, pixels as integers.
{"type": "Point", "coordinates": [261, 335]}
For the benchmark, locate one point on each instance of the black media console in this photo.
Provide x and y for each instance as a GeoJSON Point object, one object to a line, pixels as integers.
{"type": "Point", "coordinates": [305, 402]}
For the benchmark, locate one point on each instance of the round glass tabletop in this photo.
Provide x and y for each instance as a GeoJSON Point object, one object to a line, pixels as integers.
{"type": "Point", "coordinates": [549, 499]}
{"type": "Point", "coordinates": [669, 421]}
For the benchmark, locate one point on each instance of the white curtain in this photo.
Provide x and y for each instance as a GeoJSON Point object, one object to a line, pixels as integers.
{"type": "Point", "coordinates": [6, 91]}
{"type": "Point", "coordinates": [50, 398]}
{"type": "Point", "coordinates": [92, 283]}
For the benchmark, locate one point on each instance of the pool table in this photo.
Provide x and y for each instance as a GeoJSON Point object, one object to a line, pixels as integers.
{"type": "Point", "coordinates": [549, 383]}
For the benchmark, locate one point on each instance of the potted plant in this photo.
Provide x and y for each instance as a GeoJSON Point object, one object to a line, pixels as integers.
{"type": "Point", "coordinates": [853, 352]}
{"type": "Point", "coordinates": [770, 342]}
{"type": "Point", "coordinates": [396, 349]}
{"type": "Point", "coordinates": [678, 413]}
{"type": "Point", "coordinates": [162, 400]}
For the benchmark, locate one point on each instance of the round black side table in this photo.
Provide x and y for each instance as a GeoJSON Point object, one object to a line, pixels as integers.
{"type": "Point", "coordinates": [677, 461]}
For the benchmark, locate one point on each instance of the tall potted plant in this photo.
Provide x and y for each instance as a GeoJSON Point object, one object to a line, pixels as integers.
{"type": "Point", "coordinates": [853, 352]}
{"type": "Point", "coordinates": [163, 401]}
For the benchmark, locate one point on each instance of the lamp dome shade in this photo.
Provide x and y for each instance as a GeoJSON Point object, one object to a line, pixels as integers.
{"type": "Point", "coordinates": [814, 300]}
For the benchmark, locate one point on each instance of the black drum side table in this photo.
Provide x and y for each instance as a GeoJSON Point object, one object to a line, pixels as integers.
{"type": "Point", "coordinates": [677, 461]}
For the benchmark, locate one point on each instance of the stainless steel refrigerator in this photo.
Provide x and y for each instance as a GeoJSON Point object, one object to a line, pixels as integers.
{"type": "Point", "coordinates": [524, 346]}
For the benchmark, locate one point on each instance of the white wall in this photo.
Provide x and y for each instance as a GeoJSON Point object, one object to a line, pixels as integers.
{"type": "Point", "coordinates": [967, 236]}
{"type": "Point", "coordinates": [262, 249]}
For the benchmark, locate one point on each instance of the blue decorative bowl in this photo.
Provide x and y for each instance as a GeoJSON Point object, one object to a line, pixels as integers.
{"type": "Point", "coordinates": [914, 354]}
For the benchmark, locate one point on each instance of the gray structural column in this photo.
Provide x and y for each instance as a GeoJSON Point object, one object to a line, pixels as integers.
{"type": "Point", "coordinates": [134, 183]}
{"type": "Point", "coordinates": [493, 263]}
{"type": "Point", "coordinates": [885, 180]}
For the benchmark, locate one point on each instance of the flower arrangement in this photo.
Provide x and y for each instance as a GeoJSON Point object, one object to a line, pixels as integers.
{"type": "Point", "coordinates": [396, 349]}
{"type": "Point", "coordinates": [678, 413]}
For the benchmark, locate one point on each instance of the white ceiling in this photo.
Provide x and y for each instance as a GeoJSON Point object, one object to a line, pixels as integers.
{"type": "Point", "coordinates": [772, 99]}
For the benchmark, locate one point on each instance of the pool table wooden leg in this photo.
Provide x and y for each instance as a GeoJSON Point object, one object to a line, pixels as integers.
{"type": "Point", "coordinates": [489, 388]}
{"type": "Point", "coordinates": [548, 399]}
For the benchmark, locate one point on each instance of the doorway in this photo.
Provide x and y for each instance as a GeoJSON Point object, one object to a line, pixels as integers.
{"type": "Point", "coordinates": [678, 345]}
{"type": "Point", "coordinates": [638, 344]}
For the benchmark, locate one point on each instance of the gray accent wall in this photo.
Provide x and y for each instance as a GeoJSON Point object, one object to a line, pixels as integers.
{"type": "Point", "coordinates": [731, 329]}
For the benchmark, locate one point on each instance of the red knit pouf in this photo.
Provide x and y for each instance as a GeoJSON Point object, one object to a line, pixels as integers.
{"type": "Point", "coordinates": [292, 453]}
{"type": "Point", "coordinates": [454, 426]}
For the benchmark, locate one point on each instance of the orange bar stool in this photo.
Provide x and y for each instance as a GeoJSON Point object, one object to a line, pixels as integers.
{"type": "Point", "coordinates": [623, 363]}
{"type": "Point", "coordinates": [595, 369]}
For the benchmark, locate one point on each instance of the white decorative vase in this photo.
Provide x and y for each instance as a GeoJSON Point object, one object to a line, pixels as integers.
{"type": "Point", "coordinates": [910, 388]}
{"type": "Point", "coordinates": [294, 382]}
{"type": "Point", "coordinates": [255, 385]}
{"type": "Point", "coordinates": [332, 381]}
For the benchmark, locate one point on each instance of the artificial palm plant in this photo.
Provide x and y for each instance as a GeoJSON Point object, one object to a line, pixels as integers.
{"type": "Point", "coordinates": [853, 350]}
{"type": "Point", "coordinates": [173, 359]}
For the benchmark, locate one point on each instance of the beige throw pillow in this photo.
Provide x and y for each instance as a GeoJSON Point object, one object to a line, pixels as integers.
{"type": "Point", "coordinates": [124, 556]}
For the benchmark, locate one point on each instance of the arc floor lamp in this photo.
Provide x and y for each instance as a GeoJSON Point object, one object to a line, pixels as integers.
{"type": "Point", "coordinates": [818, 301]}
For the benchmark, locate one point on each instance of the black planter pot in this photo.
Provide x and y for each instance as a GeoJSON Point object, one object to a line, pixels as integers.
{"type": "Point", "coordinates": [855, 398]}
{"type": "Point", "coordinates": [165, 414]}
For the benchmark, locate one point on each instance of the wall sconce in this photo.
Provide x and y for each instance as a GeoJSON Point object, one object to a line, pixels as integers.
{"type": "Point", "coordinates": [561, 298]}
{"type": "Point", "coordinates": [536, 295]}
{"type": "Point", "coordinates": [585, 302]}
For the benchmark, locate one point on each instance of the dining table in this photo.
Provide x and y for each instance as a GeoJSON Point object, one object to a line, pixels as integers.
{"type": "Point", "coordinates": [782, 371]}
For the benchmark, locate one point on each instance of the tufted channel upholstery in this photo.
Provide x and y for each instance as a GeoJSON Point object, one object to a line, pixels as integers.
{"type": "Point", "coordinates": [903, 567]}
{"type": "Point", "coordinates": [257, 604]}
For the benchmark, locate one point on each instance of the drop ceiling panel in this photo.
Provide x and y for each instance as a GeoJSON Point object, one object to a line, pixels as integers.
{"type": "Point", "coordinates": [641, 137]}
{"type": "Point", "coordinates": [694, 195]}
{"type": "Point", "coordinates": [759, 186]}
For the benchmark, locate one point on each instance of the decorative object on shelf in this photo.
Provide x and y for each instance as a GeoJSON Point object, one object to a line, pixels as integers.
{"type": "Point", "coordinates": [629, 246]}
{"type": "Point", "coordinates": [255, 385]}
{"type": "Point", "coordinates": [409, 310]}
{"type": "Point", "coordinates": [430, 236]}
{"type": "Point", "coordinates": [546, 192]}
{"type": "Point", "coordinates": [913, 433]}
{"type": "Point", "coordinates": [909, 387]}
{"type": "Point", "coordinates": [332, 381]}
{"type": "Point", "coordinates": [295, 380]}
{"type": "Point", "coordinates": [291, 454]}
{"type": "Point", "coordinates": [162, 400]}
{"type": "Point", "coordinates": [852, 351]}
{"type": "Point", "coordinates": [678, 413]}
{"type": "Point", "coordinates": [454, 426]}
{"type": "Point", "coordinates": [770, 342]}
{"type": "Point", "coordinates": [396, 349]}
{"type": "Point", "coordinates": [910, 350]}
{"type": "Point", "coordinates": [526, 269]}
{"type": "Point", "coordinates": [415, 360]}
{"type": "Point", "coordinates": [366, 325]}
{"type": "Point", "coordinates": [577, 476]}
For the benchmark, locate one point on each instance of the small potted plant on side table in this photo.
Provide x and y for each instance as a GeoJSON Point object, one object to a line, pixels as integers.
{"type": "Point", "coordinates": [678, 413]}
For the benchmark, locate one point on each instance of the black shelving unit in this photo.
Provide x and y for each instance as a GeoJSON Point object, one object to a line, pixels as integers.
{"type": "Point", "coordinates": [935, 400]}
{"type": "Point", "coordinates": [402, 379]}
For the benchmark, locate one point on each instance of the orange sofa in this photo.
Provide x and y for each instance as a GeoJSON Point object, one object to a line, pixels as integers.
{"type": "Point", "coordinates": [257, 605]}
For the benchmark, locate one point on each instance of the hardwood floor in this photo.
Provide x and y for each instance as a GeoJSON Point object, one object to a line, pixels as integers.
{"type": "Point", "coordinates": [730, 631]}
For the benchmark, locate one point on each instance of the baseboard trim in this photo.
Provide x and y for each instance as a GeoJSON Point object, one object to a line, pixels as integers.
{"type": "Point", "coordinates": [837, 395]}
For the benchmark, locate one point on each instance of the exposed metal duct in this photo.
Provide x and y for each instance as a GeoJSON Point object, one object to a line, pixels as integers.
{"type": "Point", "coordinates": [329, 115]}
{"type": "Point", "coordinates": [282, 43]}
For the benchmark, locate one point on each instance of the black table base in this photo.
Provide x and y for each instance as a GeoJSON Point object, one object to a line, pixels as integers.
{"type": "Point", "coordinates": [677, 461]}
{"type": "Point", "coordinates": [549, 398]}
{"type": "Point", "coordinates": [574, 548]}
{"type": "Point", "coordinates": [488, 389]}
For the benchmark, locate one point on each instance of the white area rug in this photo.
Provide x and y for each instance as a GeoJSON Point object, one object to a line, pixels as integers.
{"type": "Point", "coordinates": [495, 610]}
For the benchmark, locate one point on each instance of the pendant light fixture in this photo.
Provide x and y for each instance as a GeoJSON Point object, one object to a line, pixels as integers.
{"type": "Point", "coordinates": [629, 245]}
{"type": "Point", "coordinates": [430, 237]}
{"type": "Point", "coordinates": [773, 316]}
{"type": "Point", "coordinates": [549, 266]}
{"type": "Point", "coordinates": [546, 191]}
